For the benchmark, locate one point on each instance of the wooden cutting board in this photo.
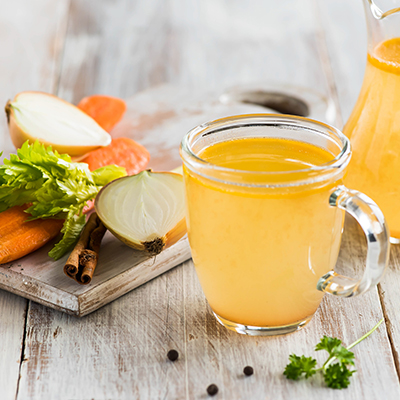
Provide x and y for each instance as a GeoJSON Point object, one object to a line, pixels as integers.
{"type": "Point", "coordinates": [158, 119]}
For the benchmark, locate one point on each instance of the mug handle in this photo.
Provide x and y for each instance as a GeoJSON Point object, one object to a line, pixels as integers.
{"type": "Point", "coordinates": [373, 223]}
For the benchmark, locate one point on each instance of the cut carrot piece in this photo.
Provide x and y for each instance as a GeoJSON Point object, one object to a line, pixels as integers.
{"type": "Point", "coordinates": [123, 152]}
{"type": "Point", "coordinates": [107, 111]}
{"type": "Point", "coordinates": [19, 237]}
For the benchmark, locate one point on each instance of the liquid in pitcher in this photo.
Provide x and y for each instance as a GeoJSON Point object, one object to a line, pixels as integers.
{"type": "Point", "coordinates": [374, 133]}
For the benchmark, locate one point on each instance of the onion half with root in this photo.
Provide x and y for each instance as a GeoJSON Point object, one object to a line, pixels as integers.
{"type": "Point", "coordinates": [145, 211]}
{"type": "Point", "coordinates": [54, 122]}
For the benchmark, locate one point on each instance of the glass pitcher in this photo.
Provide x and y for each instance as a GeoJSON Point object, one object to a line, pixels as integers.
{"type": "Point", "coordinates": [374, 125]}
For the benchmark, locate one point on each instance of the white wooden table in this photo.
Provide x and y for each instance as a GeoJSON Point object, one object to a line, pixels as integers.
{"type": "Point", "coordinates": [74, 48]}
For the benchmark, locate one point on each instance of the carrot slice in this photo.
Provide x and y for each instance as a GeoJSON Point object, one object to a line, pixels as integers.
{"type": "Point", "coordinates": [125, 152]}
{"type": "Point", "coordinates": [122, 151]}
{"type": "Point", "coordinates": [19, 237]}
{"type": "Point", "coordinates": [105, 110]}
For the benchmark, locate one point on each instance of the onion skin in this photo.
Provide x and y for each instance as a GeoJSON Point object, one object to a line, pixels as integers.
{"type": "Point", "coordinates": [176, 233]}
{"type": "Point", "coordinates": [19, 136]}
{"type": "Point", "coordinates": [157, 245]}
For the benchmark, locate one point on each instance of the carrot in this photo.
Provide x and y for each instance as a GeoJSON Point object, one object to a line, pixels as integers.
{"type": "Point", "coordinates": [105, 110]}
{"type": "Point", "coordinates": [19, 237]}
{"type": "Point", "coordinates": [125, 152]}
{"type": "Point", "coordinates": [122, 151]}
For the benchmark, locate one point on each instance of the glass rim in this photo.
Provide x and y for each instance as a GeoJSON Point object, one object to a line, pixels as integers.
{"type": "Point", "coordinates": [307, 124]}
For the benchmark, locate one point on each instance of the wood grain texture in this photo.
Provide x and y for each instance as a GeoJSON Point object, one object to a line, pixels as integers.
{"type": "Point", "coordinates": [119, 352]}
{"type": "Point", "coordinates": [122, 348]}
{"type": "Point", "coordinates": [31, 51]}
{"type": "Point", "coordinates": [121, 47]}
{"type": "Point", "coordinates": [217, 355]}
{"type": "Point", "coordinates": [389, 293]}
{"type": "Point", "coordinates": [159, 117]}
{"type": "Point", "coordinates": [120, 269]}
{"type": "Point", "coordinates": [346, 39]}
{"type": "Point", "coordinates": [12, 326]}
{"type": "Point", "coordinates": [31, 45]}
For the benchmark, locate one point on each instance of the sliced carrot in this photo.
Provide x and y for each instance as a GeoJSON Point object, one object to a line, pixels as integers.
{"type": "Point", "coordinates": [19, 237]}
{"type": "Point", "coordinates": [105, 110]}
{"type": "Point", "coordinates": [122, 151]}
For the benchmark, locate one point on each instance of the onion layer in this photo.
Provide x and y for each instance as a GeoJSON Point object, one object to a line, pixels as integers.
{"type": "Point", "coordinates": [146, 211]}
{"type": "Point", "coordinates": [54, 122]}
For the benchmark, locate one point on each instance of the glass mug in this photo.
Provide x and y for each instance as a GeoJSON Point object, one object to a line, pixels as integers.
{"type": "Point", "coordinates": [265, 213]}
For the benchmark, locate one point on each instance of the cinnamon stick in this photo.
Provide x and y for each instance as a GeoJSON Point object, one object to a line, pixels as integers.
{"type": "Point", "coordinates": [83, 260]}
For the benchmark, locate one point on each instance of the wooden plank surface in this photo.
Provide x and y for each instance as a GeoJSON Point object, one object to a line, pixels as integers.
{"type": "Point", "coordinates": [120, 269]}
{"type": "Point", "coordinates": [217, 355]}
{"type": "Point", "coordinates": [123, 349]}
{"type": "Point", "coordinates": [31, 44]}
{"type": "Point", "coordinates": [12, 328]}
{"type": "Point", "coordinates": [31, 50]}
{"type": "Point", "coordinates": [119, 352]}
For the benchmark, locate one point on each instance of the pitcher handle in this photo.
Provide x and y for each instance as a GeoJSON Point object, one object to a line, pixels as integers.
{"type": "Point", "coordinates": [373, 223]}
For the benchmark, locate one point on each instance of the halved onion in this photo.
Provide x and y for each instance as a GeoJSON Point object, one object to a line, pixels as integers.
{"type": "Point", "coordinates": [178, 170]}
{"type": "Point", "coordinates": [40, 116]}
{"type": "Point", "coordinates": [146, 211]}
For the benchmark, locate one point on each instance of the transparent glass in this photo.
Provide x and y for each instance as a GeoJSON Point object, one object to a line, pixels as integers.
{"type": "Point", "coordinates": [265, 243]}
{"type": "Point", "coordinates": [374, 125]}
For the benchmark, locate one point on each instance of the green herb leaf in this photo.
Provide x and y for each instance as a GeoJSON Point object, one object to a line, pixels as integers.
{"type": "Point", "coordinates": [54, 186]}
{"type": "Point", "coordinates": [328, 344]}
{"type": "Point", "coordinates": [300, 366]}
{"type": "Point", "coordinates": [337, 376]}
{"type": "Point", "coordinates": [335, 369]}
{"type": "Point", "coordinates": [336, 350]}
{"type": "Point", "coordinates": [343, 355]}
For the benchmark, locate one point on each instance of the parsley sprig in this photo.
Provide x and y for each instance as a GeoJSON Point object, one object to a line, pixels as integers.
{"type": "Point", "coordinates": [336, 369]}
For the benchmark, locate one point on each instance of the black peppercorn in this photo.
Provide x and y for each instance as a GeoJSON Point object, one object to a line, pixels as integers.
{"type": "Point", "coordinates": [212, 389]}
{"type": "Point", "coordinates": [248, 370]}
{"type": "Point", "coordinates": [172, 355]}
